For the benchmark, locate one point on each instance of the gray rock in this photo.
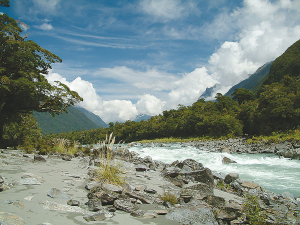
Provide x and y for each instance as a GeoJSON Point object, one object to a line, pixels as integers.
{"type": "Point", "coordinates": [141, 167]}
{"type": "Point", "coordinates": [93, 184]}
{"type": "Point", "coordinates": [66, 157]}
{"type": "Point", "coordinates": [199, 191]}
{"type": "Point", "coordinates": [145, 198]}
{"type": "Point", "coordinates": [56, 193]}
{"type": "Point", "coordinates": [196, 215]}
{"type": "Point", "coordinates": [60, 207]}
{"type": "Point", "coordinates": [125, 205]}
{"type": "Point", "coordinates": [94, 204]}
{"type": "Point", "coordinates": [231, 177]}
{"type": "Point", "coordinates": [112, 188]}
{"type": "Point", "coordinates": [11, 219]}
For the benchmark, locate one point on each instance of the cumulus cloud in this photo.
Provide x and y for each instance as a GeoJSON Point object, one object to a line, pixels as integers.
{"type": "Point", "coordinates": [150, 105]}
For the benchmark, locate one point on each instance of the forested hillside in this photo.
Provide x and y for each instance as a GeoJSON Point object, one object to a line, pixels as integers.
{"type": "Point", "coordinates": [65, 122]}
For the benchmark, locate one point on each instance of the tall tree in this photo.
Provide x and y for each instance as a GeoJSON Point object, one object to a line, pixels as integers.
{"type": "Point", "coordinates": [23, 86]}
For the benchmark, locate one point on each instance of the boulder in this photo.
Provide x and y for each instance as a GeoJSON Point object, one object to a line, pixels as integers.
{"type": "Point", "coordinates": [73, 202]}
{"type": "Point", "coordinates": [94, 204]}
{"type": "Point", "coordinates": [141, 167]}
{"type": "Point", "coordinates": [11, 219]}
{"type": "Point", "coordinates": [227, 160]}
{"type": "Point", "coordinates": [196, 215]}
{"type": "Point", "coordinates": [98, 216]}
{"type": "Point", "coordinates": [56, 193]}
{"type": "Point", "coordinates": [231, 177]}
{"type": "Point", "coordinates": [199, 191]}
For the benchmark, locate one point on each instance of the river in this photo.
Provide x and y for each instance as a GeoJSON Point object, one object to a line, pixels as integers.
{"type": "Point", "coordinates": [274, 173]}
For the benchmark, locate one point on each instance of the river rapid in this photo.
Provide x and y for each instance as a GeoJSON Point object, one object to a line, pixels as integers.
{"type": "Point", "coordinates": [272, 172]}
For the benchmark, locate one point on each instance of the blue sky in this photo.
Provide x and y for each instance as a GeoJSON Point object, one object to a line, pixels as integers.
{"type": "Point", "coordinates": [142, 57]}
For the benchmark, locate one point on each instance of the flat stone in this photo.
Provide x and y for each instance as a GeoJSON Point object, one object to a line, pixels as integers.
{"type": "Point", "coordinates": [249, 184]}
{"type": "Point", "coordinates": [56, 193]}
{"type": "Point", "coordinates": [30, 181]}
{"type": "Point", "coordinates": [60, 207]}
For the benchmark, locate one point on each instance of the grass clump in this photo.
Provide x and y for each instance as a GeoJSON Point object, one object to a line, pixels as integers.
{"type": "Point", "coordinates": [169, 197]}
{"type": "Point", "coordinates": [64, 146]}
{"type": "Point", "coordinates": [254, 213]}
{"type": "Point", "coordinates": [108, 171]}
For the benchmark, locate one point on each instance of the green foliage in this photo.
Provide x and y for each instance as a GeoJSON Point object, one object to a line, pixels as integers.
{"type": "Point", "coordinates": [254, 213]}
{"type": "Point", "coordinates": [108, 172]}
{"type": "Point", "coordinates": [23, 86]}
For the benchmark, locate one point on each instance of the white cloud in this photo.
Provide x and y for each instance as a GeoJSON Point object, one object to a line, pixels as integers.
{"type": "Point", "coordinates": [45, 26]}
{"type": "Point", "coordinates": [150, 105]}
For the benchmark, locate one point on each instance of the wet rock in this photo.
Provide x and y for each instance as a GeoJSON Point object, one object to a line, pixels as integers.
{"type": "Point", "coordinates": [227, 160]}
{"type": "Point", "coordinates": [56, 193]}
{"type": "Point", "coordinates": [11, 219]}
{"type": "Point", "coordinates": [73, 202]}
{"type": "Point", "coordinates": [39, 158]}
{"type": "Point", "coordinates": [197, 215]}
{"type": "Point", "coordinates": [125, 205]}
{"type": "Point", "coordinates": [231, 177]}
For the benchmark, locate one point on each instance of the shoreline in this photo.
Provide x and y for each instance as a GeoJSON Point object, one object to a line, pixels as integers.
{"type": "Point", "coordinates": [31, 202]}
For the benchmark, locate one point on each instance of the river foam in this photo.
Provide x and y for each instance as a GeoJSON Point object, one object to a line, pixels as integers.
{"type": "Point", "coordinates": [271, 172]}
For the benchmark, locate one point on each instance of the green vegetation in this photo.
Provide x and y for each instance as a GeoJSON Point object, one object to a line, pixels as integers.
{"type": "Point", "coordinates": [254, 213]}
{"type": "Point", "coordinates": [169, 197]}
{"type": "Point", "coordinates": [23, 86]}
{"type": "Point", "coordinates": [108, 172]}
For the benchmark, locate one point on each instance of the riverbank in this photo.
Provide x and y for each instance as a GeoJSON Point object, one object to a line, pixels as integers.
{"type": "Point", "coordinates": [39, 192]}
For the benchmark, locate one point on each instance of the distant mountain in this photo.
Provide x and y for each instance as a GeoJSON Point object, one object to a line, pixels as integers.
{"type": "Point", "coordinates": [208, 92]}
{"type": "Point", "coordinates": [65, 122]}
{"type": "Point", "coordinates": [96, 119]}
{"type": "Point", "coordinates": [254, 81]}
{"type": "Point", "coordinates": [141, 117]}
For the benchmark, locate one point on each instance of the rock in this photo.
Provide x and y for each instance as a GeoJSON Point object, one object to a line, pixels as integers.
{"type": "Point", "coordinates": [30, 181]}
{"type": "Point", "coordinates": [10, 219]}
{"type": "Point", "coordinates": [231, 177]}
{"type": "Point", "coordinates": [150, 190]}
{"type": "Point", "coordinates": [56, 193]}
{"type": "Point", "coordinates": [196, 215]}
{"type": "Point", "coordinates": [39, 158]}
{"type": "Point", "coordinates": [73, 202]}
{"type": "Point", "coordinates": [141, 167]}
{"type": "Point", "coordinates": [66, 157]}
{"type": "Point", "coordinates": [92, 184]}
{"type": "Point", "coordinates": [199, 191]}
{"type": "Point", "coordinates": [171, 171]}
{"type": "Point", "coordinates": [60, 207]}
{"type": "Point", "coordinates": [125, 205]}
{"type": "Point", "coordinates": [215, 201]}
{"type": "Point", "coordinates": [227, 160]}
{"type": "Point", "coordinates": [150, 215]}
{"type": "Point", "coordinates": [204, 176]}
{"type": "Point", "coordinates": [94, 204]}
{"type": "Point", "coordinates": [145, 198]}
{"type": "Point", "coordinates": [112, 188]}
{"type": "Point", "coordinates": [249, 184]}
{"type": "Point", "coordinates": [98, 216]}
{"type": "Point", "coordinates": [106, 197]}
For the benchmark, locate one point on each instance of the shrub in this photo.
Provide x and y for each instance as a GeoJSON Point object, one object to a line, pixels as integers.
{"type": "Point", "coordinates": [169, 197]}
{"type": "Point", "coordinates": [251, 208]}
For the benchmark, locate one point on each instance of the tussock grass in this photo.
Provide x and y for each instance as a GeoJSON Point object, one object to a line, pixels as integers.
{"type": "Point", "coordinates": [169, 197]}
{"type": "Point", "coordinates": [108, 171]}
{"type": "Point", "coordinates": [63, 146]}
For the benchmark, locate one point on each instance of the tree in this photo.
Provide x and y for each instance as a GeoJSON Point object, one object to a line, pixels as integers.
{"type": "Point", "coordinates": [242, 95]}
{"type": "Point", "coordinates": [23, 86]}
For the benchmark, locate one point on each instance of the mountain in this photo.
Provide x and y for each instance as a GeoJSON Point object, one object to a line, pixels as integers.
{"type": "Point", "coordinates": [96, 119]}
{"type": "Point", "coordinates": [141, 117]}
{"type": "Point", "coordinates": [254, 81]}
{"type": "Point", "coordinates": [65, 122]}
{"type": "Point", "coordinates": [208, 92]}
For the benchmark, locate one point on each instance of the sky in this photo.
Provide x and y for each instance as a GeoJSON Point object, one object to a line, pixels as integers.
{"type": "Point", "coordinates": [131, 57]}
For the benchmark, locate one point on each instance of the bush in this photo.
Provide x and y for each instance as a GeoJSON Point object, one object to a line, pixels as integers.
{"type": "Point", "coordinates": [251, 208]}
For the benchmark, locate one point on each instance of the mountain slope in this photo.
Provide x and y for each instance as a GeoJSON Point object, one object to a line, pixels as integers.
{"type": "Point", "coordinates": [73, 120]}
{"type": "Point", "coordinates": [254, 81]}
{"type": "Point", "coordinates": [286, 64]}
{"type": "Point", "coordinates": [96, 119]}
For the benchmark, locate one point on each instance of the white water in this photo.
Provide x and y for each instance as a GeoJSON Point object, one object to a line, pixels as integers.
{"type": "Point", "coordinates": [271, 172]}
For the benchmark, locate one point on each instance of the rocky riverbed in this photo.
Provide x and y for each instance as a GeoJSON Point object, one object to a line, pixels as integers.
{"type": "Point", "coordinates": [61, 189]}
